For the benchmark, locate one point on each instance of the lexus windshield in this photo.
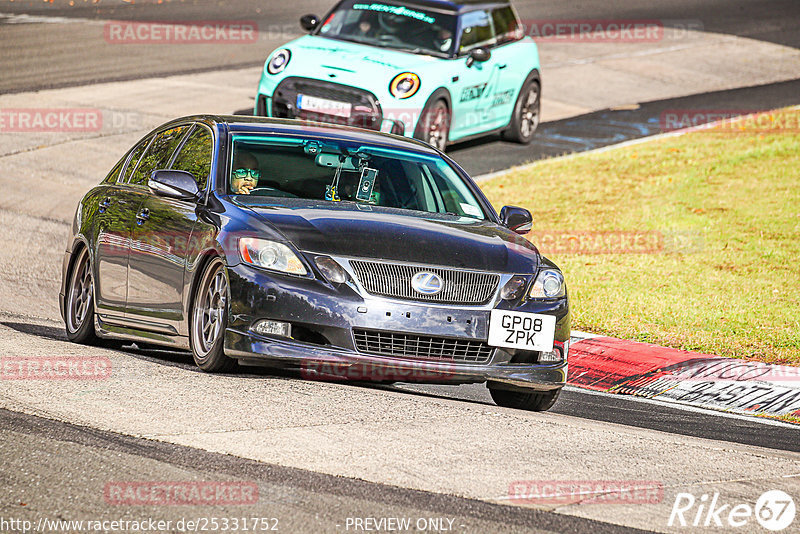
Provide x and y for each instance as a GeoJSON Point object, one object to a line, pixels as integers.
{"type": "Point", "coordinates": [337, 172]}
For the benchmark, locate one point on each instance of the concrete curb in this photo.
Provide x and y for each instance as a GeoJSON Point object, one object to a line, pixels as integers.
{"type": "Point", "coordinates": [644, 370]}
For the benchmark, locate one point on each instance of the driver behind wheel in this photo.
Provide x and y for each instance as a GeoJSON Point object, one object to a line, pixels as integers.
{"type": "Point", "coordinates": [245, 174]}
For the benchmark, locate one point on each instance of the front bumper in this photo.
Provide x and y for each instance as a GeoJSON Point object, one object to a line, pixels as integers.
{"type": "Point", "coordinates": [279, 99]}
{"type": "Point", "coordinates": [327, 315]}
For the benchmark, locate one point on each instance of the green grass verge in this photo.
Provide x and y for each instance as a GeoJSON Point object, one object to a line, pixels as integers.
{"type": "Point", "coordinates": [724, 277]}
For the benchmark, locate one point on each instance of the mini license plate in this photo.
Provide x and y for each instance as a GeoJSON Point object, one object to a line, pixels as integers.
{"type": "Point", "coordinates": [519, 330]}
{"type": "Point", "coordinates": [323, 105]}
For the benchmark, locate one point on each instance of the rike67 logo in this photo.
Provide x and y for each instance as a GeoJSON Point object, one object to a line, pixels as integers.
{"type": "Point", "coordinates": [774, 510]}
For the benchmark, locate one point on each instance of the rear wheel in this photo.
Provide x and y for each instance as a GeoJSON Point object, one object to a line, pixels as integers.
{"type": "Point", "coordinates": [79, 307]}
{"type": "Point", "coordinates": [435, 125]}
{"type": "Point", "coordinates": [209, 320]}
{"type": "Point", "coordinates": [526, 114]}
{"type": "Point", "coordinates": [537, 401]}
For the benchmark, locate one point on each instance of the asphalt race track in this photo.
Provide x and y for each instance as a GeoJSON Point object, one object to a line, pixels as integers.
{"type": "Point", "coordinates": [322, 454]}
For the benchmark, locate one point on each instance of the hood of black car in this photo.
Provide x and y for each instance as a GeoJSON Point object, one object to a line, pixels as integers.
{"type": "Point", "coordinates": [361, 230]}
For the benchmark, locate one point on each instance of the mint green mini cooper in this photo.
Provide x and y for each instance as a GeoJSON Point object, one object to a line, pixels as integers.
{"type": "Point", "coordinates": [435, 70]}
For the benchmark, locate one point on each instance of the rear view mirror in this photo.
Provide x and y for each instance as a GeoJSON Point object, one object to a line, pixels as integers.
{"type": "Point", "coordinates": [173, 184]}
{"type": "Point", "coordinates": [516, 219]}
{"type": "Point", "coordinates": [326, 159]}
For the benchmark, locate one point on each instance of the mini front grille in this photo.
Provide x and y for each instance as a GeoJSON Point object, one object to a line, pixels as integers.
{"type": "Point", "coordinates": [394, 280]}
{"type": "Point", "coordinates": [418, 347]}
{"type": "Point", "coordinates": [365, 112]}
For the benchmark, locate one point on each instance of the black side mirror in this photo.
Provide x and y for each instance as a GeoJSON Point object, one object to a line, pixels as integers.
{"type": "Point", "coordinates": [309, 22]}
{"type": "Point", "coordinates": [173, 184]}
{"type": "Point", "coordinates": [516, 219]}
{"type": "Point", "coordinates": [478, 54]}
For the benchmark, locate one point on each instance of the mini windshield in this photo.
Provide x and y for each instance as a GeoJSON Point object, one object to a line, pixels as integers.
{"type": "Point", "coordinates": [392, 25]}
{"type": "Point", "coordinates": [321, 169]}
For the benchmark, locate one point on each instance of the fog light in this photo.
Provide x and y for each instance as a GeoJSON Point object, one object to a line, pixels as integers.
{"type": "Point", "coordinates": [552, 356]}
{"type": "Point", "coordinates": [273, 328]}
{"type": "Point", "coordinates": [513, 288]}
{"type": "Point", "coordinates": [559, 352]}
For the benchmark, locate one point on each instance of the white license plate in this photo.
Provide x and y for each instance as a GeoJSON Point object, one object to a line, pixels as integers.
{"type": "Point", "coordinates": [323, 105]}
{"type": "Point", "coordinates": [519, 330]}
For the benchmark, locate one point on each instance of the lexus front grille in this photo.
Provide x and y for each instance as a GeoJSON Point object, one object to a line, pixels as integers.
{"type": "Point", "coordinates": [394, 280]}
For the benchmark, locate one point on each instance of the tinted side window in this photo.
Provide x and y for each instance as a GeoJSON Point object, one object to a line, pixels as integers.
{"type": "Point", "coordinates": [476, 31]}
{"type": "Point", "coordinates": [195, 156]}
{"type": "Point", "coordinates": [506, 25]}
{"type": "Point", "coordinates": [158, 155]}
{"type": "Point", "coordinates": [136, 155]}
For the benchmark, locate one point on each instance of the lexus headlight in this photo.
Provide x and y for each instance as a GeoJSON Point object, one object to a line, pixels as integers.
{"type": "Point", "coordinates": [278, 61]}
{"type": "Point", "coordinates": [270, 255]}
{"type": "Point", "coordinates": [548, 285]}
{"type": "Point", "coordinates": [404, 85]}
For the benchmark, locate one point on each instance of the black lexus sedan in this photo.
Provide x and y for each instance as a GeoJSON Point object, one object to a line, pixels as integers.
{"type": "Point", "coordinates": [345, 254]}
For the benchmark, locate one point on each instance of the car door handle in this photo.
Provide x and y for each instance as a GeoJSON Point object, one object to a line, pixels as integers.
{"type": "Point", "coordinates": [142, 216]}
{"type": "Point", "coordinates": [103, 206]}
{"type": "Point", "coordinates": [501, 67]}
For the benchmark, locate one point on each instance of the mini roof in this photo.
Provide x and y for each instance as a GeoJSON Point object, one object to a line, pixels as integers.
{"type": "Point", "coordinates": [448, 5]}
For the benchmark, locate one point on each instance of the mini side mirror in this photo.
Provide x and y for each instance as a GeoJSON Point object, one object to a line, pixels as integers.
{"type": "Point", "coordinates": [516, 219]}
{"type": "Point", "coordinates": [478, 54]}
{"type": "Point", "coordinates": [173, 184]}
{"type": "Point", "coordinates": [309, 22]}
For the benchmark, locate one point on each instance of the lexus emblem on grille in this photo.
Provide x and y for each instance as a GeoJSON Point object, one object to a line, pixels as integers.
{"type": "Point", "coordinates": [427, 283]}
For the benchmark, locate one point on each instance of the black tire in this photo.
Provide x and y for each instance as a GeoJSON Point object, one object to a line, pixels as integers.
{"type": "Point", "coordinates": [209, 318]}
{"type": "Point", "coordinates": [536, 401]}
{"type": "Point", "coordinates": [525, 119]}
{"type": "Point", "coordinates": [434, 125]}
{"type": "Point", "coordinates": [79, 302]}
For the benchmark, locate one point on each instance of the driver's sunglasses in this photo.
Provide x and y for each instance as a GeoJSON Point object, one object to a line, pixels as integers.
{"type": "Point", "coordinates": [242, 173]}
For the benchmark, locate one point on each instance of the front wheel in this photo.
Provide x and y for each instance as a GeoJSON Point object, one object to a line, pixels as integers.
{"type": "Point", "coordinates": [79, 307]}
{"type": "Point", "coordinates": [536, 401]}
{"type": "Point", "coordinates": [435, 125]}
{"type": "Point", "coordinates": [526, 114]}
{"type": "Point", "coordinates": [209, 320]}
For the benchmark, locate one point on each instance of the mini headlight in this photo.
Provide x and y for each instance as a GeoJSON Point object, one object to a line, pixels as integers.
{"type": "Point", "coordinates": [278, 61]}
{"type": "Point", "coordinates": [404, 85]}
{"type": "Point", "coordinates": [549, 284]}
{"type": "Point", "coordinates": [332, 270]}
{"type": "Point", "coordinates": [270, 255]}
